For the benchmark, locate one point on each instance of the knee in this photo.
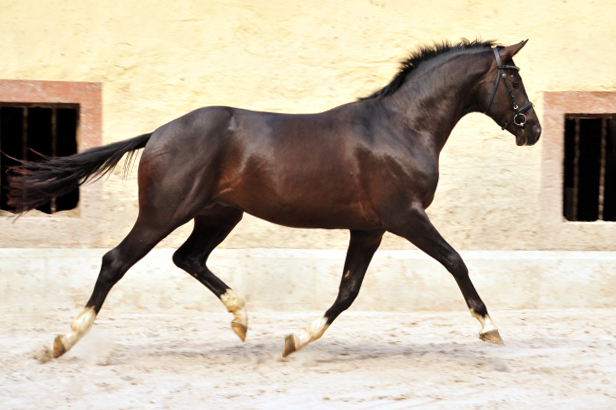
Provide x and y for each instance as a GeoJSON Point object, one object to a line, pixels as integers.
{"type": "Point", "coordinates": [112, 267]}
{"type": "Point", "coordinates": [111, 260]}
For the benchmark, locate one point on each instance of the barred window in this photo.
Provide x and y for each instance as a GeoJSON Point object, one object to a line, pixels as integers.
{"type": "Point", "coordinates": [30, 131]}
{"type": "Point", "coordinates": [589, 189]}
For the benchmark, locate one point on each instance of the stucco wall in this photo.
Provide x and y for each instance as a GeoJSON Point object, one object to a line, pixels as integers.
{"type": "Point", "coordinates": [157, 60]}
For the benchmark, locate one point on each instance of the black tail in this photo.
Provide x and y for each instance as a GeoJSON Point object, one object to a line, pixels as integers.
{"type": "Point", "coordinates": [32, 184]}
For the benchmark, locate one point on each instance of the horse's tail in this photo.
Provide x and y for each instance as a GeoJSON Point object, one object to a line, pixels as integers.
{"type": "Point", "coordinates": [32, 184]}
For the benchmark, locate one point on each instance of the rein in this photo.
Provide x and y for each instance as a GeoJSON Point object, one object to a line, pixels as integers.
{"type": "Point", "coordinates": [518, 118]}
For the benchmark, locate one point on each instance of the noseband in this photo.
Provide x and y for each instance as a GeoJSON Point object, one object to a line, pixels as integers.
{"type": "Point", "coordinates": [518, 118]}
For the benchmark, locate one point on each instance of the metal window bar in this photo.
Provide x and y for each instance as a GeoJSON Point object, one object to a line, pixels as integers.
{"type": "Point", "coordinates": [602, 168]}
{"type": "Point", "coordinates": [576, 168]}
{"type": "Point", "coordinates": [54, 150]}
{"type": "Point", "coordinates": [24, 133]}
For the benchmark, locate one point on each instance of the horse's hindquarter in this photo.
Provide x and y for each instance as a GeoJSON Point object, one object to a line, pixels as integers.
{"type": "Point", "coordinates": [297, 170]}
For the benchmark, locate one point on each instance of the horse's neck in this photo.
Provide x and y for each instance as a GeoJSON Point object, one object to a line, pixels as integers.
{"type": "Point", "coordinates": [434, 100]}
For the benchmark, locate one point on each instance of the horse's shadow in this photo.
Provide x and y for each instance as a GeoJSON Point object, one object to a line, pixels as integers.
{"type": "Point", "coordinates": [322, 353]}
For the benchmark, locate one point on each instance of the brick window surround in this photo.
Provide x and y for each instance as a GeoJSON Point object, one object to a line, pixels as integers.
{"type": "Point", "coordinates": [556, 105]}
{"type": "Point", "coordinates": [87, 95]}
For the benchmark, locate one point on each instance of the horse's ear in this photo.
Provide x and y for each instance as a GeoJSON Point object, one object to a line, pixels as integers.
{"type": "Point", "coordinates": [508, 52]}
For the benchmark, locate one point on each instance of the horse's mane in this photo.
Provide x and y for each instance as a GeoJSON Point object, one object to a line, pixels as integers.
{"type": "Point", "coordinates": [422, 55]}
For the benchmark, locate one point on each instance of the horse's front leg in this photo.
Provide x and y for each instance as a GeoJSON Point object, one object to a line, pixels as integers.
{"type": "Point", "coordinates": [417, 228]}
{"type": "Point", "coordinates": [361, 249]}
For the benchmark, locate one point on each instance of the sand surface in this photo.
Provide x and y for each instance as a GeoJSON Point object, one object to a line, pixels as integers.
{"type": "Point", "coordinates": [551, 360]}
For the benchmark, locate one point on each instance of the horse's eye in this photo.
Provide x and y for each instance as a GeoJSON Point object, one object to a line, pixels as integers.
{"type": "Point", "coordinates": [516, 85]}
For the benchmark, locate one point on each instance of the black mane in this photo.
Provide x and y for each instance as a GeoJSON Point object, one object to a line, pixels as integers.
{"type": "Point", "coordinates": [423, 54]}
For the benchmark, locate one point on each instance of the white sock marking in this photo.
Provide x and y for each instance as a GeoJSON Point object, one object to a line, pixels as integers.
{"type": "Point", "coordinates": [79, 328]}
{"type": "Point", "coordinates": [486, 322]}
{"type": "Point", "coordinates": [311, 333]}
{"type": "Point", "coordinates": [235, 305]}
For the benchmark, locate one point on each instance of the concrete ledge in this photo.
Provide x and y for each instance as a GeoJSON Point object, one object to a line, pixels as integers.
{"type": "Point", "coordinates": [293, 280]}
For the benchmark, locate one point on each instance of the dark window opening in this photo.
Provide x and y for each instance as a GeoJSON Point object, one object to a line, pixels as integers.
{"type": "Point", "coordinates": [589, 191]}
{"type": "Point", "coordinates": [27, 130]}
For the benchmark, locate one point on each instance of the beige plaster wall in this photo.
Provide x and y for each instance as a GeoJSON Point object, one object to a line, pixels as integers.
{"type": "Point", "coordinates": [159, 59]}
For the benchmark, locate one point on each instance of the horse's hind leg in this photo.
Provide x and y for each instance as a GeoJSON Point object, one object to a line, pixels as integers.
{"type": "Point", "coordinates": [142, 238]}
{"type": "Point", "coordinates": [420, 232]}
{"type": "Point", "coordinates": [362, 247]}
{"type": "Point", "coordinates": [210, 229]}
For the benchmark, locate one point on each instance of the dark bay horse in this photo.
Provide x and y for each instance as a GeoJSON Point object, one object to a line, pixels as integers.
{"type": "Point", "coordinates": [370, 166]}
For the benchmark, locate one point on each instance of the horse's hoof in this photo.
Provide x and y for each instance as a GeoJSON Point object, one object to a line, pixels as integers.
{"type": "Point", "coordinates": [58, 347]}
{"type": "Point", "coordinates": [491, 336]}
{"type": "Point", "coordinates": [289, 345]}
{"type": "Point", "coordinates": [239, 330]}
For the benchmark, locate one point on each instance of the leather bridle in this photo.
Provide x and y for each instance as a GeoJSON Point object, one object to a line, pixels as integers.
{"type": "Point", "coordinates": [518, 117]}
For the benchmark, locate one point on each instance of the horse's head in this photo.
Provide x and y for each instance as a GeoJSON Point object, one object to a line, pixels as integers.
{"type": "Point", "coordinates": [507, 102]}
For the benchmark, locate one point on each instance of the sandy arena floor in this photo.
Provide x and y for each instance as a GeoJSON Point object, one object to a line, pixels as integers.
{"type": "Point", "coordinates": [551, 360]}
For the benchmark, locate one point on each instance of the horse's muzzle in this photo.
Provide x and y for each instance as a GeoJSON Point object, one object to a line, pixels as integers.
{"type": "Point", "coordinates": [528, 135]}
{"type": "Point", "coordinates": [534, 134]}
